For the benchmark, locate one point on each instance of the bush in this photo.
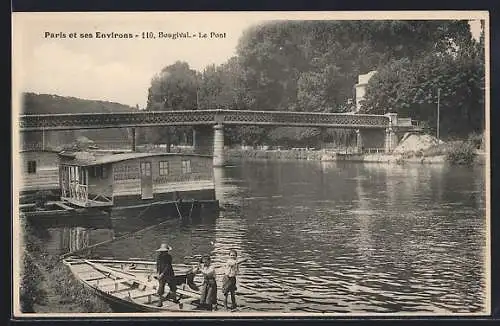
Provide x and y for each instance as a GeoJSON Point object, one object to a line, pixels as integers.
{"type": "Point", "coordinates": [436, 150]}
{"type": "Point", "coordinates": [462, 153]}
{"type": "Point", "coordinates": [38, 265]}
{"type": "Point", "coordinates": [476, 140]}
{"type": "Point", "coordinates": [30, 292]}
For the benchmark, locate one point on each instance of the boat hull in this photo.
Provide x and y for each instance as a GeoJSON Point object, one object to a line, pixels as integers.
{"type": "Point", "coordinates": [127, 291]}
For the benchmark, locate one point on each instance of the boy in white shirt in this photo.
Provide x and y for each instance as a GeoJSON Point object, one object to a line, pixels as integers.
{"type": "Point", "coordinates": [229, 280]}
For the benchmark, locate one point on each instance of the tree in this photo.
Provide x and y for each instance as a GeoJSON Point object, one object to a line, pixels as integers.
{"type": "Point", "coordinates": [221, 87]}
{"type": "Point", "coordinates": [175, 88]}
{"type": "Point", "coordinates": [410, 88]}
{"type": "Point", "coordinates": [285, 61]}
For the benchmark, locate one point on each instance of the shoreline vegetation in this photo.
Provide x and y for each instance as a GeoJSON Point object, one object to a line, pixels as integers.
{"type": "Point", "coordinates": [454, 153]}
{"type": "Point", "coordinates": [47, 285]}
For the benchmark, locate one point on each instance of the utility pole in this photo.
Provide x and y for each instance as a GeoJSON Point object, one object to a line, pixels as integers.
{"type": "Point", "coordinates": [439, 93]}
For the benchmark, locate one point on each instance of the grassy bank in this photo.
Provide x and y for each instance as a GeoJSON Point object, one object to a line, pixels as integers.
{"type": "Point", "coordinates": [453, 152]}
{"type": "Point", "coordinates": [47, 285]}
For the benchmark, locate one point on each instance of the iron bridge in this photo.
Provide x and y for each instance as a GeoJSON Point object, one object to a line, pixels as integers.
{"type": "Point", "coordinates": [68, 121]}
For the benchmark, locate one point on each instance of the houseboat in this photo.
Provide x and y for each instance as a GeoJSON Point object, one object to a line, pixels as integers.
{"type": "Point", "coordinates": [39, 171]}
{"type": "Point", "coordinates": [172, 184]}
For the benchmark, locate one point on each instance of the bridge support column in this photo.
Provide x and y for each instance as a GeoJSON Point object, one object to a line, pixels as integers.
{"type": "Point", "coordinates": [134, 142]}
{"type": "Point", "coordinates": [219, 157]}
{"type": "Point", "coordinates": [359, 141]}
{"type": "Point", "coordinates": [391, 138]}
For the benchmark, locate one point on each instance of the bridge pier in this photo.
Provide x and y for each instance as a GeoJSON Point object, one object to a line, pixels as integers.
{"type": "Point", "coordinates": [219, 157]}
{"type": "Point", "coordinates": [391, 138]}
{"type": "Point", "coordinates": [134, 141]}
{"type": "Point", "coordinates": [359, 141]}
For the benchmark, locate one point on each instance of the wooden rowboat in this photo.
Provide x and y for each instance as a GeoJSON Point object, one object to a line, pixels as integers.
{"type": "Point", "coordinates": [129, 286]}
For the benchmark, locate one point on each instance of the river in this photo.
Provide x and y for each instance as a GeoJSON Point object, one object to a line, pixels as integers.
{"type": "Point", "coordinates": [336, 237]}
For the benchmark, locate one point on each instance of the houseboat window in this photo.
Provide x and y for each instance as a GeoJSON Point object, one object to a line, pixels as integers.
{"type": "Point", "coordinates": [146, 169]}
{"type": "Point", "coordinates": [31, 166]}
{"type": "Point", "coordinates": [163, 168]}
{"type": "Point", "coordinates": [186, 166]}
{"type": "Point", "coordinates": [99, 172]}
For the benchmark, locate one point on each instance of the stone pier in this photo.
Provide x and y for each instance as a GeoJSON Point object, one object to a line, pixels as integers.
{"type": "Point", "coordinates": [391, 138]}
{"type": "Point", "coordinates": [134, 139]}
{"type": "Point", "coordinates": [219, 157]}
{"type": "Point", "coordinates": [359, 141]}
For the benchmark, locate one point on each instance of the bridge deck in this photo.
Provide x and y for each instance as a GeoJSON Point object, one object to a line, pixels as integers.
{"type": "Point", "coordinates": [41, 122]}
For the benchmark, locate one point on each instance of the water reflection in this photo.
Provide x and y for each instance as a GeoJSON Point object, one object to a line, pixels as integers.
{"type": "Point", "coordinates": [61, 240]}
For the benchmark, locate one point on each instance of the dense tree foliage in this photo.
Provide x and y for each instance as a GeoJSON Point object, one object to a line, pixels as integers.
{"type": "Point", "coordinates": [174, 88]}
{"type": "Point", "coordinates": [410, 88]}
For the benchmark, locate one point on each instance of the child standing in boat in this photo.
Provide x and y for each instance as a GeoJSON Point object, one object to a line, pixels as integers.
{"type": "Point", "coordinates": [229, 280]}
{"type": "Point", "coordinates": [208, 294]}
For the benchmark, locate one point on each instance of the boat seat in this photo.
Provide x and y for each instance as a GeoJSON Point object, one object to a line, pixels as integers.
{"type": "Point", "coordinates": [189, 294]}
{"type": "Point", "coordinates": [108, 282]}
{"type": "Point", "coordinates": [143, 295]}
{"type": "Point", "coordinates": [99, 278]}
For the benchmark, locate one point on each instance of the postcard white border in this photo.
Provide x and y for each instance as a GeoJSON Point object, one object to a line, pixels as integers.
{"type": "Point", "coordinates": [21, 20]}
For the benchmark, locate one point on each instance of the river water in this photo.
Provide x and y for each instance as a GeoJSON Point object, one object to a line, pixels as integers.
{"type": "Point", "coordinates": [337, 237]}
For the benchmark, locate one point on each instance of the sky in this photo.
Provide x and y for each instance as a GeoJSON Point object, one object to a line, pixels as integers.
{"type": "Point", "coordinates": [120, 70]}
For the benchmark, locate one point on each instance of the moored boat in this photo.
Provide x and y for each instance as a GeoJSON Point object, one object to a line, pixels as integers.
{"type": "Point", "coordinates": [55, 212]}
{"type": "Point", "coordinates": [130, 286]}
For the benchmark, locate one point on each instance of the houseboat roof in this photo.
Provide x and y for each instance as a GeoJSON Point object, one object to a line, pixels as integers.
{"type": "Point", "coordinates": [99, 159]}
{"type": "Point", "coordinates": [47, 150]}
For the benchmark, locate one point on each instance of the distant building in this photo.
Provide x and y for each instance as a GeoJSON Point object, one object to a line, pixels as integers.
{"type": "Point", "coordinates": [361, 88]}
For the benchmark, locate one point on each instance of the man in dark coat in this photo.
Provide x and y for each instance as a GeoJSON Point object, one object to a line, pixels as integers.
{"type": "Point", "coordinates": [166, 273]}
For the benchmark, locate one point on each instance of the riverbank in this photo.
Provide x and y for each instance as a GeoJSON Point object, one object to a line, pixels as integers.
{"type": "Point", "coordinates": [47, 285]}
{"type": "Point", "coordinates": [325, 155]}
{"type": "Point", "coordinates": [412, 148]}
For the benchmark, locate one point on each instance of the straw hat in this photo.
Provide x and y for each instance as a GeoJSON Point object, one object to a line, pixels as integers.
{"type": "Point", "coordinates": [164, 247]}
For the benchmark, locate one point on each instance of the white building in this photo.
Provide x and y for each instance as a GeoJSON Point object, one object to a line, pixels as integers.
{"type": "Point", "coordinates": [361, 88]}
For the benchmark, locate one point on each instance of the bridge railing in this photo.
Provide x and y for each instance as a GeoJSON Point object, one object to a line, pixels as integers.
{"type": "Point", "coordinates": [374, 150]}
{"type": "Point", "coordinates": [303, 118]}
{"type": "Point", "coordinates": [198, 117]}
{"type": "Point", "coordinates": [408, 122]}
